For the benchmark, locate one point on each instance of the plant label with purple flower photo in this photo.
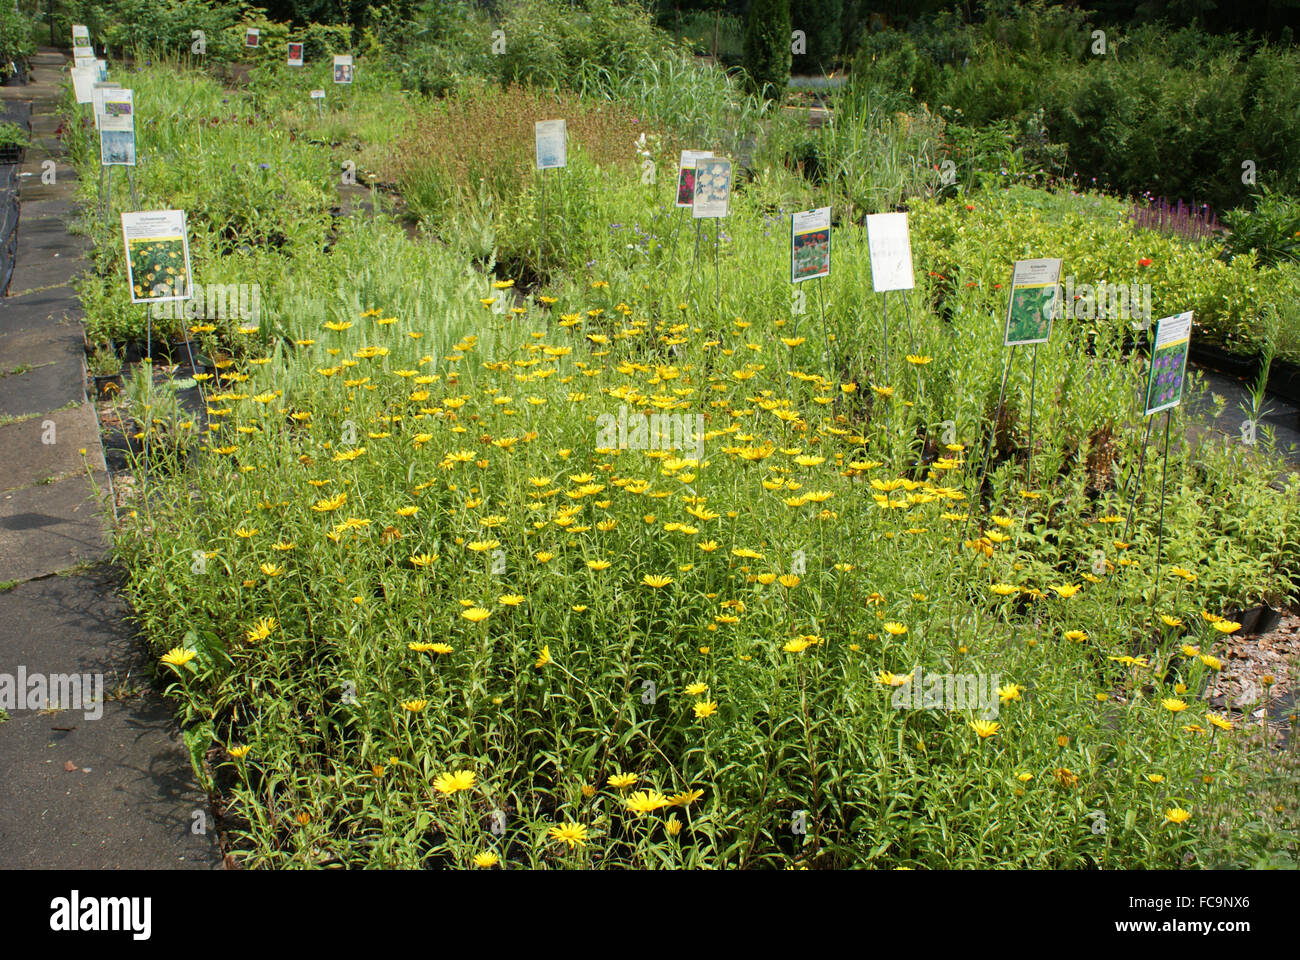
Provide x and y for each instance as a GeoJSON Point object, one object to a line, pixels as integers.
{"type": "Point", "coordinates": [157, 255]}
{"type": "Point", "coordinates": [810, 244]}
{"type": "Point", "coordinates": [1034, 302]}
{"type": "Point", "coordinates": [117, 129]}
{"type": "Point", "coordinates": [686, 175]}
{"type": "Point", "coordinates": [712, 188]}
{"type": "Point", "coordinates": [343, 68]}
{"type": "Point", "coordinates": [82, 51]}
{"type": "Point", "coordinates": [550, 140]}
{"type": "Point", "coordinates": [1168, 363]}
{"type": "Point", "coordinates": [97, 92]}
{"type": "Point", "coordinates": [889, 245]}
{"type": "Point", "coordinates": [295, 54]}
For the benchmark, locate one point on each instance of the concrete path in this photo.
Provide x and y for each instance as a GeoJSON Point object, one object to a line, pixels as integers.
{"type": "Point", "coordinates": [106, 784]}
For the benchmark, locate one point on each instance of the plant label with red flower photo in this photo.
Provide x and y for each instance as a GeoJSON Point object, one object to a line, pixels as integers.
{"type": "Point", "coordinates": [686, 175]}
{"type": "Point", "coordinates": [810, 244]}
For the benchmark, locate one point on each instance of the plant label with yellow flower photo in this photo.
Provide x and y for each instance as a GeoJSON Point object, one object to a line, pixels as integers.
{"type": "Point", "coordinates": [1034, 302]}
{"type": "Point", "coordinates": [810, 244]}
{"type": "Point", "coordinates": [1168, 363]}
{"type": "Point", "coordinates": [551, 144]}
{"type": "Point", "coordinates": [889, 245]}
{"type": "Point", "coordinates": [157, 255]}
{"type": "Point", "coordinates": [712, 188]}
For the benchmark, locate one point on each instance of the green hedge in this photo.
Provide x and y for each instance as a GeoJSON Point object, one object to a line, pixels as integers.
{"type": "Point", "coordinates": [1235, 302]}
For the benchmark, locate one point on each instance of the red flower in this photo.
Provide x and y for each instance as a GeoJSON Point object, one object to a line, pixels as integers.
{"type": "Point", "coordinates": [970, 206]}
{"type": "Point", "coordinates": [1144, 262]}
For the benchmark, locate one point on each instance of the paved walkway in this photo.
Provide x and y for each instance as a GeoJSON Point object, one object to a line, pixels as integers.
{"type": "Point", "coordinates": [108, 786]}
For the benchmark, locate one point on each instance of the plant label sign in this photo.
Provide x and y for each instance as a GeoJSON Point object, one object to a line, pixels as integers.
{"type": "Point", "coordinates": [1034, 302]}
{"type": "Point", "coordinates": [295, 54]}
{"type": "Point", "coordinates": [97, 92]}
{"type": "Point", "coordinates": [686, 175]}
{"type": "Point", "coordinates": [318, 94]}
{"type": "Point", "coordinates": [101, 70]}
{"type": "Point", "coordinates": [712, 188]}
{"type": "Point", "coordinates": [82, 51]}
{"type": "Point", "coordinates": [810, 244]}
{"type": "Point", "coordinates": [83, 81]}
{"type": "Point", "coordinates": [117, 129]}
{"type": "Point", "coordinates": [1168, 363]}
{"type": "Point", "coordinates": [550, 140]}
{"type": "Point", "coordinates": [343, 68]}
{"type": "Point", "coordinates": [889, 245]}
{"type": "Point", "coordinates": [157, 255]}
{"type": "Point", "coordinates": [252, 37]}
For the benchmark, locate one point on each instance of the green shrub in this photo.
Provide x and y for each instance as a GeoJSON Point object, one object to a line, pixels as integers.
{"type": "Point", "coordinates": [767, 48]}
{"type": "Point", "coordinates": [1270, 228]}
{"type": "Point", "coordinates": [890, 60]}
{"type": "Point", "coordinates": [576, 47]}
{"type": "Point", "coordinates": [820, 22]}
{"type": "Point", "coordinates": [15, 37]}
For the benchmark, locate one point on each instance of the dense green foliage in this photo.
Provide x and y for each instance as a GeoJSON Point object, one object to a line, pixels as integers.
{"type": "Point", "coordinates": [767, 48]}
{"type": "Point", "coordinates": [417, 607]}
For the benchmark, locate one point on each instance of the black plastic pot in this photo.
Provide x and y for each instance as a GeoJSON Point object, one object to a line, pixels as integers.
{"type": "Point", "coordinates": [107, 385]}
{"type": "Point", "coordinates": [1257, 619]}
{"type": "Point", "coordinates": [1283, 376]}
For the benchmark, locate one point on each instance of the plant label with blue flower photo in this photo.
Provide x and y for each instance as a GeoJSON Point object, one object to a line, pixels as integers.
{"type": "Point", "coordinates": [712, 188]}
{"type": "Point", "coordinates": [550, 140]}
